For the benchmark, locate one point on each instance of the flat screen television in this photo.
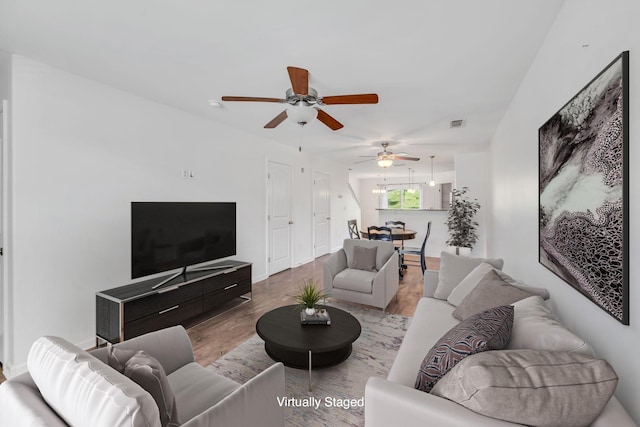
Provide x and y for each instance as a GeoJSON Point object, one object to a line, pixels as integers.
{"type": "Point", "coordinates": [170, 235]}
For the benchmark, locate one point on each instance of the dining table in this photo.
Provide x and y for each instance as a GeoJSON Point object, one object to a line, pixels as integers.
{"type": "Point", "coordinates": [396, 234]}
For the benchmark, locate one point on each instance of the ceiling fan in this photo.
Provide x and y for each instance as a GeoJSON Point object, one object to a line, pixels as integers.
{"type": "Point", "coordinates": [302, 99]}
{"type": "Point", "coordinates": [385, 158]}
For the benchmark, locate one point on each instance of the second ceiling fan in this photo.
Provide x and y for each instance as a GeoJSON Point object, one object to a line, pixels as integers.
{"type": "Point", "coordinates": [385, 158]}
{"type": "Point", "coordinates": [304, 100]}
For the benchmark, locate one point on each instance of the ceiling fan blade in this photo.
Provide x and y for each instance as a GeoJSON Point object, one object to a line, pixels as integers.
{"type": "Point", "coordinates": [363, 98]}
{"type": "Point", "coordinates": [252, 99]}
{"type": "Point", "coordinates": [415, 159]}
{"type": "Point", "coordinates": [328, 120]}
{"type": "Point", "coordinates": [363, 161]}
{"type": "Point", "coordinates": [276, 120]}
{"type": "Point", "coordinates": [299, 80]}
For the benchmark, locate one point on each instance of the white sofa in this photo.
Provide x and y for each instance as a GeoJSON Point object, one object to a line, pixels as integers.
{"type": "Point", "coordinates": [68, 386]}
{"type": "Point", "coordinates": [395, 401]}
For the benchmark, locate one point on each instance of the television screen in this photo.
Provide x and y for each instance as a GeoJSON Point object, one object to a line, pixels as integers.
{"type": "Point", "coordinates": [169, 235]}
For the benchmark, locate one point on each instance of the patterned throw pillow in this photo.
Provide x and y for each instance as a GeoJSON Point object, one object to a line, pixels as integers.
{"type": "Point", "coordinates": [488, 330]}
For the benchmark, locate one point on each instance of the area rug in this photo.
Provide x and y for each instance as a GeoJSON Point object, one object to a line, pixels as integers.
{"type": "Point", "coordinates": [338, 391]}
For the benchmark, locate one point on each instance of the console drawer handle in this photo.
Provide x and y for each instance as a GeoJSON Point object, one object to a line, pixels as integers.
{"type": "Point", "coordinates": [231, 286]}
{"type": "Point", "coordinates": [169, 309]}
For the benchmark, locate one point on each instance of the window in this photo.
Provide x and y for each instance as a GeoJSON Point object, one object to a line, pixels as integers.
{"type": "Point", "coordinates": [403, 198]}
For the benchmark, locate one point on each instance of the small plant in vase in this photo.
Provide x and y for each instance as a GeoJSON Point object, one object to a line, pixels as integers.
{"type": "Point", "coordinates": [309, 295]}
{"type": "Point", "coordinates": [462, 227]}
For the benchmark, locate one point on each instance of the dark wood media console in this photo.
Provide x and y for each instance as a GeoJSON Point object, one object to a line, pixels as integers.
{"type": "Point", "coordinates": [135, 309]}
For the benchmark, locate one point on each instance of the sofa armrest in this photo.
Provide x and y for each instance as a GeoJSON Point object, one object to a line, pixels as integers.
{"type": "Point", "coordinates": [253, 404]}
{"type": "Point", "coordinates": [431, 278]}
{"type": "Point", "coordinates": [171, 346]}
{"type": "Point", "coordinates": [387, 280]}
{"type": "Point", "coordinates": [23, 405]}
{"type": "Point", "coordinates": [336, 262]}
{"type": "Point", "coordinates": [614, 414]}
{"type": "Point", "coordinates": [388, 403]}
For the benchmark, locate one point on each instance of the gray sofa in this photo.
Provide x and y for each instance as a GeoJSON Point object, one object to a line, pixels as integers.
{"type": "Point", "coordinates": [375, 287]}
{"type": "Point", "coordinates": [396, 401]}
{"type": "Point", "coordinates": [82, 390]}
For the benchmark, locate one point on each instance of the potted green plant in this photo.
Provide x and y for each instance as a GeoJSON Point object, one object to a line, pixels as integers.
{"type": "Point", "coordinates": [309, 295]}
{"type": "Point", "coordinates": [462, 227]}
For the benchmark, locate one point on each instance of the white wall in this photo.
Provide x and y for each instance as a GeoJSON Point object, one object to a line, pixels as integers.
{"type": "Point", "coordinates": [562, 67]}
{"type": "Point", "coordinates": [472, 170]}
{"type": "Point", "coordinates": [81, 153]}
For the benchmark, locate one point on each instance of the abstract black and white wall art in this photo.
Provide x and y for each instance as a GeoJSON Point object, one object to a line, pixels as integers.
{"type": "Point", "coordinates": [583, 190]}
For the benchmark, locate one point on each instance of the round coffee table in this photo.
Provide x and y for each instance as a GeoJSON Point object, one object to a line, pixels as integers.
{"type": "Point", "coordinates": [300, 346]}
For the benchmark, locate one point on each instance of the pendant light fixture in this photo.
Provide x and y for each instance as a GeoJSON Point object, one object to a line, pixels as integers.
{"type": "Point", "coordinates": [381, 188]}
{"type": "Point", "coordinates": [411, 190]}
{"type": "Point", "coordinates": [432, 183]}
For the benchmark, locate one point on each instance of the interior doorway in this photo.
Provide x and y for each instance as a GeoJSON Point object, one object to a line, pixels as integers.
{"type": "Point", "coordinates": [321, 214]}
{"type": "Point", "coordinates": [279, 218]}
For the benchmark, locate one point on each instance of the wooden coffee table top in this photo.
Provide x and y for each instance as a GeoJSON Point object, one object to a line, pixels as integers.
{"type": "Point", "coordinates": [283, 328]}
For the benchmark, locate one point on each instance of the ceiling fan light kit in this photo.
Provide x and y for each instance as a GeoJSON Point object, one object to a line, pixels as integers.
{"type": "Point", "coordinates": [385, 162]}
{"type": "Point", "coordinates": [385, 158]}
{"type": "Point", "coordinates": [302, 99]}
{"type": "Point", "coordinates": [301, 113]}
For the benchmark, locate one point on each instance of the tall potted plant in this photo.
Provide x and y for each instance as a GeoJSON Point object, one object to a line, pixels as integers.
{"type": "Point", "coordinates": [462, 227]}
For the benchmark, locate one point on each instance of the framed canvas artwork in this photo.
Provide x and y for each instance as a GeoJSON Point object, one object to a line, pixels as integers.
{"type": "Point", "coordinates": [584, 191]}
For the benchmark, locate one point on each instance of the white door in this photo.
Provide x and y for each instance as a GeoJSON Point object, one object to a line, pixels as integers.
{"type": "Point", "coordinates": [321, 213]}
{"type": "Point", "coordinates": [279, 216]}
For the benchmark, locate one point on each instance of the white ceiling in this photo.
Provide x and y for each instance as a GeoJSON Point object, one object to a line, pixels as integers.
{"type": "Point", "coordinates": [430, 62]}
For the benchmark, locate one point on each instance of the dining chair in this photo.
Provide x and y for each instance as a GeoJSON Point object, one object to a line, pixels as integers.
{"type": "Point", "coordinates": [352, 224]}
{"type": "Point", "coordinates": [396, 224]}
{"type": "Point", "coordinates": [417, 251]}
{"type": "Point", "coordinates": [379, 233]}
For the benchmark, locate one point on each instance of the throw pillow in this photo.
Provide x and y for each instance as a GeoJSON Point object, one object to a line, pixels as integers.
{"type": "Point", "coordinates": [531, 387]}
{"type": "Point", "coordinates": [490, 292]}
{"type": "Point", "coordinates": [535, 327]}
{"type": "Point", "coordinates": [489, 330]}
{"type": "Point", "coordinates": [454, 268]}
{"type": "Point", "coordinates": [477, 274]}
{"type": "Point", "coordinates": [146, 371]}
{"type": "Point", "coordinates": [364, 258]}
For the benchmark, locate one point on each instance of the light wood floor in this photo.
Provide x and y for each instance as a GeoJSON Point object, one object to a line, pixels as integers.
{"type": "Point", "coordinates": [214, 337]}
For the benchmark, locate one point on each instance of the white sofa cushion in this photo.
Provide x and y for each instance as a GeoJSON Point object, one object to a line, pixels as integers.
{"type": "Point", "coordinates": [86, 392]}
{"type": "Point", "coordinates": [536, 327]}
{"type": "Point", "coordinates": [477, 274]}
{"type": "Point", "coordinates": [454, 268]}
{"type": "Point", "coordinates": [492, 291]}
{"type": "Point", "coordinates": [531, 387]}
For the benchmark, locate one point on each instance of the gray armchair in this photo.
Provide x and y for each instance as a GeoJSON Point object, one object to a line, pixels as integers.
{"type": "Point", "coordinates": [345, 277]}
